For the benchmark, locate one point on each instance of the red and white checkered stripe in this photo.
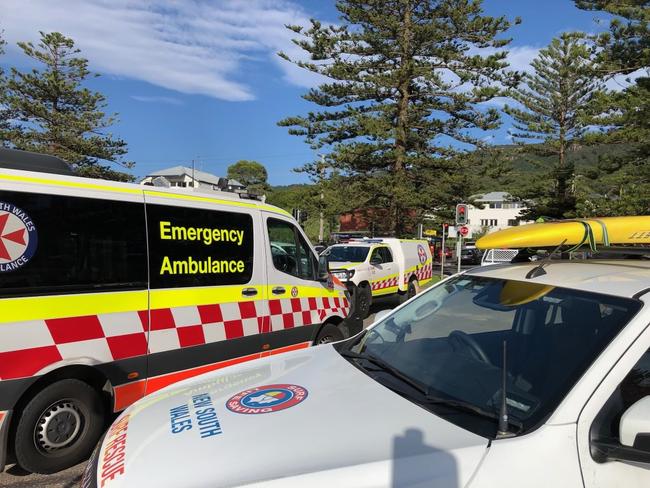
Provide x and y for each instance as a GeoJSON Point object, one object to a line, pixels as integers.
{"type": "Point", "coordinates": [423, 273]}
{"type": "Point", "coordinates": [385, 283]}
{"type": "Point", "coordinates": [26, 348]}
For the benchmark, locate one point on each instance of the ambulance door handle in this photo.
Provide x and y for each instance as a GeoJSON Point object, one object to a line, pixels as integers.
{"type": "Point", "coordinates": [249, 292]}
{"type": "Point", "coordinates": [278, 290]}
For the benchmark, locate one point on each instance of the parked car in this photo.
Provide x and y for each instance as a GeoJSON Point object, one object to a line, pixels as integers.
{"type": "Point", "coordinates": [490, 378]}
{"type": "Point", "coordinates": [448, 253]}
{"type": "Point", "coordinates": [470, 256]}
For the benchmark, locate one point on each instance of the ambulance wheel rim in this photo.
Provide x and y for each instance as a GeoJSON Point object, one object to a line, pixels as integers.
{"type": "Point", "coordinates": [58, 426]}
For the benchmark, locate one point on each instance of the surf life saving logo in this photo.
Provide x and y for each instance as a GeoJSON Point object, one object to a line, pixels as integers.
{"type": "Point", "coordinates": [267, 399]}
{"type": "Point", "coordinates": [18, 237]}
{"type": "Point", "coordinates": [422, 254]}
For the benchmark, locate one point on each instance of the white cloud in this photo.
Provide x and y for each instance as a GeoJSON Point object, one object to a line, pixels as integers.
{"type": "Point", "coordinates": [166, 100]}
{"type": "Point", "coordinates": [520, 57]}
{"type": "Point", "coordinates": [204, 47]}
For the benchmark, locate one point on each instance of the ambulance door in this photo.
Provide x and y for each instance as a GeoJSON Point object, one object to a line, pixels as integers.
{"type": "Point", "coordinates": [208, 286]}
{"type": "Point", "coordinates": [384, 271]}
{"type": "Point", "coordinates": [294, 292]}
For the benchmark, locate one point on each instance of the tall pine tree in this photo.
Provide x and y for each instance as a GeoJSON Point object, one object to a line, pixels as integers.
{"type": "Point", "coordinates": [626, 47]}
{"type": "Point", "coordinates": [56, 115]}
{"type": "Point", "coordinates": [404, 80]}
{"type": "Point", "coordinates": [625, 115]}
{"type": "Point", "coordinates": [5, 114]}
{"type": "Point", "coordinates": [549, 118]}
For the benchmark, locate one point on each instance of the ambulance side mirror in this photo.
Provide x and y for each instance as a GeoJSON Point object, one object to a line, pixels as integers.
{"type": "Point", "coordinates": [323, 268]}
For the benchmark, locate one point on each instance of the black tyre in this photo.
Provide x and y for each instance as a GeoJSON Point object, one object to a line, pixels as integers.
{"type": "Point", "coordinates": [364, 300]}
{"type": "Point", "coordinates": [328, 333]}
{"type": "Point", "coordinates": [410, 292]}
{"type": "Point", "coordinates": [59, 427]}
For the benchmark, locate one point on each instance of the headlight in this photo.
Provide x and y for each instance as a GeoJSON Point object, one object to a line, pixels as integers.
{"type": "Point", "coordinates": [343, 274]}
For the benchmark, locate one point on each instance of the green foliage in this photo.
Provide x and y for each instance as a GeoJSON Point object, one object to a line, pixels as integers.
{"type": "Point", "coordinates": [624, 178]}
{"type": "Point", "coordinates": [251, 174]}
{"type": "Point", "coordinates": [56, 115]}
{"type": "Point", "coordinates": [626, 47]}
{"type": "Point", "coordinates": [404, 78]}
{"type": "Point", "coordinates": [5, 113]}
{"type": "Point", "coordinates": [550, 113]}
{"type": "Point", "coordinates": [624, 116]}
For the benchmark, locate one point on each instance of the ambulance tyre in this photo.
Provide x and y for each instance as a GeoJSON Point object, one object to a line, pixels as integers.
{"type": "Point", "coordinates": [410, 292]}
{"type": "Point", "coordinates": [328, 333]}
{"type": "Point", "coordinates": [59, 427]}
{"type": "Point", "coordinates": [364, 300]}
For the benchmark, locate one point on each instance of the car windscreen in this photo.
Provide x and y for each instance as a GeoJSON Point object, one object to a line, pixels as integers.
{"type": "Point", "coordinates": [351, 254]}
{"type": "Point", "coordinates": [448, 346]}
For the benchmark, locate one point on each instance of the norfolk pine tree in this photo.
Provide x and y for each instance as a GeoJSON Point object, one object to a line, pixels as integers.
{"type": "Point", "coordinates": [400, 101]}
{"type": "Point", "coordinates": [550, 112]}
{"type": "Point", "coordinates": [56, 115]}
{"type": "Point", "coordinates": [625, 115]}
{"type": "Point", "coordinates": [5, 114]}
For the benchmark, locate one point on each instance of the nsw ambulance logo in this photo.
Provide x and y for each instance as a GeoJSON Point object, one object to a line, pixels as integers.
{"type": "Point", "coordinates": [266, 399]}
{"type": "Point", "coordinates": [422, 254]}
{"type": "Point", "coordinates": [18, 237]}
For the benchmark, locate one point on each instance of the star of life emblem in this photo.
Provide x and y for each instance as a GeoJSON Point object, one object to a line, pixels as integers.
{"type": "Point", "coordinates": [18, 237]}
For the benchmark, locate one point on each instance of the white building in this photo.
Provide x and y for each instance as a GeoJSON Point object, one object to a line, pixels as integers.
{"type": "Point", "coordinates": [498, 211]}
{"type": "Point", "coordinates": [182, 176]}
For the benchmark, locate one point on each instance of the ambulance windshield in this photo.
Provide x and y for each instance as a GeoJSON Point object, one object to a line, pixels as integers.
{"type": "Point", "coordinates": [444, 350]}
{"type": "Point", "coordinates": [346, 254]}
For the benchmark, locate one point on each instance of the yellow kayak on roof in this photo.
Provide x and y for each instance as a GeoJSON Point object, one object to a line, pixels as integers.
{"type": "Point", "coordinates": [604, 232]}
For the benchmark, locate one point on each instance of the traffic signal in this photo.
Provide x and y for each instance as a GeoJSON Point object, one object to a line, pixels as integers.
{"type": "Point", "coordinates": [461, 214]}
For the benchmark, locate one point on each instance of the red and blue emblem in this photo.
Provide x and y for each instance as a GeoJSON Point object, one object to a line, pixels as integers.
{"type": "Point", "coordinates": [266, 399]}
{"type": "Point", "coordinates": [422, 254]}
{"type": "Point", "coordinates": [18, 237]}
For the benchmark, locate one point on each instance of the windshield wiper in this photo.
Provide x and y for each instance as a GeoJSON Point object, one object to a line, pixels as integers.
{"type": "Point", "coordinates": [471, 408]}
{"type": "Point", "coordinates": [384, 366]}
{"type": "Point", "coordinates": [427, 398]}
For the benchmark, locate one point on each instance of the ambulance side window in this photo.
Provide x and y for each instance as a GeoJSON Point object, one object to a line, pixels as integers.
{"type": "Point", "coordinates": [57, 244]}
{"type": "Point", "coordinates": [386, 254]}
{"type": "Point", "coordinates": [377, 256]}
{"type": "Point", "coordinates": [199, 247]}
{"type": "Point", "coordinates": [289, 251]}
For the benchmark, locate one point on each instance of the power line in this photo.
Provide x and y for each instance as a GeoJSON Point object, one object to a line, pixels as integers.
{"type": "Point", "coordinates": [224, 158]}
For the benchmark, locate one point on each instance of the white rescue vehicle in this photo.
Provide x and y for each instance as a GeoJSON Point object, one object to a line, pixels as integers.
{"type": "Point", "coordinates": [381, 266]}
{"type": "Point", "coordinates": [524, 375]}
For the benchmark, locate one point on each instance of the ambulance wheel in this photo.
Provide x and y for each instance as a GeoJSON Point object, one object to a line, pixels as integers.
{"type": "Point", "coordinates": [364, 300]}
{"type": "Point", "coordinates": [412, 289]}
{"type": "Point", "coordinates": [328, 333]}
{"type": "Point", "coordinates": [410, 292]}
{"type": "Point", "coordinates": [59, 427]}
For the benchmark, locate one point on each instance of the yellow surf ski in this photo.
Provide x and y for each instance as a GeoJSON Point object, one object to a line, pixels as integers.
{"type": "Point", "coordinates": [604, 231]}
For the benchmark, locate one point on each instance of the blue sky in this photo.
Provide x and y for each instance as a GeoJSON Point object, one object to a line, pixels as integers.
{"type": "Point", "coordinates": [200, 79]}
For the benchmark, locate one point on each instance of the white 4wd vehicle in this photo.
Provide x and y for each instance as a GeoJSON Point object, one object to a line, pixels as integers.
{"type": "Point", "coordinates": [381, 266]}
{"type": "Point", "coordinates": [488, 378]}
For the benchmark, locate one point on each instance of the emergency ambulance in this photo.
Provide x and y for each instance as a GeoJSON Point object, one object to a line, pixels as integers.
{"type": "Point", "coordinates": [111, 291]}
{"type": "Point", "coordinates": [527, 375]}
{"type": "Point", "coordinates": [381, 266]}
